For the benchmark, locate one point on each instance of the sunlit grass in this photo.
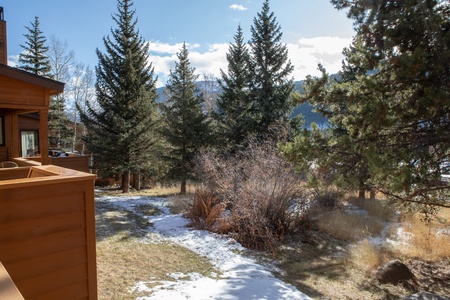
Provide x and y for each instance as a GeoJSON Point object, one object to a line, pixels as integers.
{"type": "Point", "coordinates": [123, 259]}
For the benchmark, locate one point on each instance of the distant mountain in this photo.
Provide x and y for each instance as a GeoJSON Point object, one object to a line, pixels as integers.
{"type": "Point", "coordinates": [305, 109]}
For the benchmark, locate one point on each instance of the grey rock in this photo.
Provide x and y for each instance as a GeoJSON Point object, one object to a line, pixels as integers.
{"type": "Point", "coordinates": [393, 272]}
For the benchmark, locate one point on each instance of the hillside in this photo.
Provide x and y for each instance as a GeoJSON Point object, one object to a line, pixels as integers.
{"type": "Point", "coordinates": [304, 109]}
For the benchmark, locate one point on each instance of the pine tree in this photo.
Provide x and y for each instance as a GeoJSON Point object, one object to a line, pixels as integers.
{"type": "Point", "coordinates": [185, 125]}
{"type": "Point", "coordinates": [393, 99]}
{"type": "Point", "coordinates": [333, 155]}
{"type": "Point", "coordinates": [34, 59]}
{"type": "Point", "coordinates": [234, 104]}
{"type": "Point", "coordinates": [122, 123]}
{"type": "Point", "coordinates": [270, 86]}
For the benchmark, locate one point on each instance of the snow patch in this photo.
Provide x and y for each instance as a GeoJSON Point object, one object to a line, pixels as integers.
{"type": "Point", "coordinates": [241, 277]}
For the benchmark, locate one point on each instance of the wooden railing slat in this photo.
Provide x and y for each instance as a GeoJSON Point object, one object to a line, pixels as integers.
{"type": "Point", "coordinates": [8, 289]}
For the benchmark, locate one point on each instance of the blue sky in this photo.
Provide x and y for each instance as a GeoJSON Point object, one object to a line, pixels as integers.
{"type": "Point", "coordinates": [313, 30]}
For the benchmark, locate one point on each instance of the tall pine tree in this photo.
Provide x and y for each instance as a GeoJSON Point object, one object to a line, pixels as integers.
{"type": "Point", "coordinates": [234, 104]}
{"type": "Point", "coordinates": [270, 86]}
{"type": "Point", "coordinates": [121, 125]}
{"type": "Point", "coordinates": [34, 59]}
{"type": "Point", "coordinates": [392, 102]}
{"type": "Point", "coordinates": [185, 125]}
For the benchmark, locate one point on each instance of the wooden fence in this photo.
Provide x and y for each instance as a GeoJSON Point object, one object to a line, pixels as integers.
{"type": "Point", "coordinates": [47, 232]}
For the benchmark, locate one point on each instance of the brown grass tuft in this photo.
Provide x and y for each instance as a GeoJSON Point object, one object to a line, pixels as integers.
{"type": "Point", "coordinates": [375, 208]}
{"type": "Point", "coordinates": [364, 256]}
{"type": "Point", "coordinates": [428, 241]}
{"type": "Point", "coordinates": [206, 210]}
{"type": "Point", "coordinates": [349, 226]}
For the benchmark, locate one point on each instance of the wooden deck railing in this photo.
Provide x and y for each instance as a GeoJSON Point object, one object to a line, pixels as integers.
{"type": "Point", "coordinates": [78, 162]}
{"type": "Point", "coordinates": [47, 232]}
{"type": "Point", "coordinates": [8, 289]}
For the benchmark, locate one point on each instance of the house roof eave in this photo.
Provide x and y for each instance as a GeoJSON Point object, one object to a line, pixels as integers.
{"type": "Point", "coordinates": [54, 86]}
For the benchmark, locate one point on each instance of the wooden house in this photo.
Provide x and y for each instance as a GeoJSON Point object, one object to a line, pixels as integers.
{"type": "Point", "coordinates": [47, 216]}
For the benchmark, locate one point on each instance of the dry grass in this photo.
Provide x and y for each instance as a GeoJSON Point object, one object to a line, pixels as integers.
{"type": "Point", "coordinates": [122, 264]}
{"type": "Point", "coordinates": [338, 262]}
{"type": "Point", "coordinates": [364, 255]}
{"type": "Point", "coordinates": [179, 204]}
{"type": "Point", "coordinates": [123, 260]}
{"type": "Point", "coordinates": [349, 226]}
{"type": "Point", "coordinates": [444, 214]}
{"type": "Point", "coordinates": [428, 241]}
{"type": "Point", "coordinates": [206, 212]}
{"type": "Point", "coordinates": [375, 208]}
{"type": "Point", "coordinates": [320, 268]}
{"type": "Point", "coordinates": [157, 191]}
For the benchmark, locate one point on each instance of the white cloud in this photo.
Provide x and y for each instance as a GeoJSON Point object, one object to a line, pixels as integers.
{"type": "Point", "coordinates": [238, 7]}
{"type": "Point", "coordinates": [305, 55]}
{"type": "Point", "coordinates": [164, 49]}
{"type": "Point", "coordinates": [163, 57]}
{"type": "Point", "coordinates": [13, 60]}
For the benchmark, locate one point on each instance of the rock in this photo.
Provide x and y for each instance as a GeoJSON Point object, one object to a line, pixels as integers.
{"type": "Point", "coordinates": [425, 296]}
{"type": "Point", "coordinates": [394, 272]}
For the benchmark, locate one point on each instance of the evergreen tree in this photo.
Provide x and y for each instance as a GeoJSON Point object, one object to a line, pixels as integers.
{"type": "Point", "coordinates": [121, 125]}
{"type": "Point", "coordinates": [270, 86]}
{"type": "Point", "coordinates": [234, 103]}
{"type": "Point", "coordinates": [34, 59]}
{"type": "Point", "coordinates": [393, 99]}
{"type": "Point", "coordinates": [331, 155]}
{"type": "Point", "coordinates": [61, 63]}
{"type": "Point", "coordinates": [185, 125]}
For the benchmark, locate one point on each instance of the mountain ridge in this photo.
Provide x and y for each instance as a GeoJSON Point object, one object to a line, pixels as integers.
{"type": "Point", "coordinates": [305, 109]}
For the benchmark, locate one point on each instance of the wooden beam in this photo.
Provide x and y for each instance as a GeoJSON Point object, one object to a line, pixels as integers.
{"type": "Point", "coordinates": [8, 132]}
{"type": "Point", "coordinates": [15, 136]}
{"type": "Point", "coordinates": [43, 137]}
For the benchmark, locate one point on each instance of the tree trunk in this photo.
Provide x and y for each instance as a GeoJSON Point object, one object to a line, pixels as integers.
{"type": "Point", "coordinates": [362, 189]}
{"type": "Point", "coordinates": [137, 181]}
{"type": "Point", "coordinates": [372, 194]}
{"type": "Point", "coordinates": [362, 193]}
{"type": "Point", "coordinates": [183, 186]}
{"type": "Point", "coordinates": [126, 182]}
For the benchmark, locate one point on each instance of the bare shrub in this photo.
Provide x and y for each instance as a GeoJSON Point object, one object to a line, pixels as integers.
{"type": "Point", "coordinates": [261, 191]}
{"type": "Point", "coordinates": [325, 198]}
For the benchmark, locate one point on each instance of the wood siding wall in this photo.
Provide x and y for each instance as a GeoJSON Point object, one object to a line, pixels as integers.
{"type": "Point", "coordinates": [22, 95]}
{"type": "Point", "coordinates": [28, 122]}
{"type": "Point", "coordinates": [78, 163]}
{"type": "Point", "coordinates": [4, 154]}
{"type": "Point", "coordinates": [47, 233]}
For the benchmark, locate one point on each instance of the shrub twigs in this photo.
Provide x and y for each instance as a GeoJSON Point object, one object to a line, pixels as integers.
{"type": "Point", "coordinates": [255, 195]}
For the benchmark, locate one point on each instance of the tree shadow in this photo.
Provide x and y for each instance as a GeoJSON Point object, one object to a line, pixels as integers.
{"type": "Point", "coordinates": [120, 224]}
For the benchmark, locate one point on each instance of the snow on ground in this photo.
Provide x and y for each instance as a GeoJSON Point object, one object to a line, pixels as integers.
{"type": "Point", "coordinates": [241, 278]}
